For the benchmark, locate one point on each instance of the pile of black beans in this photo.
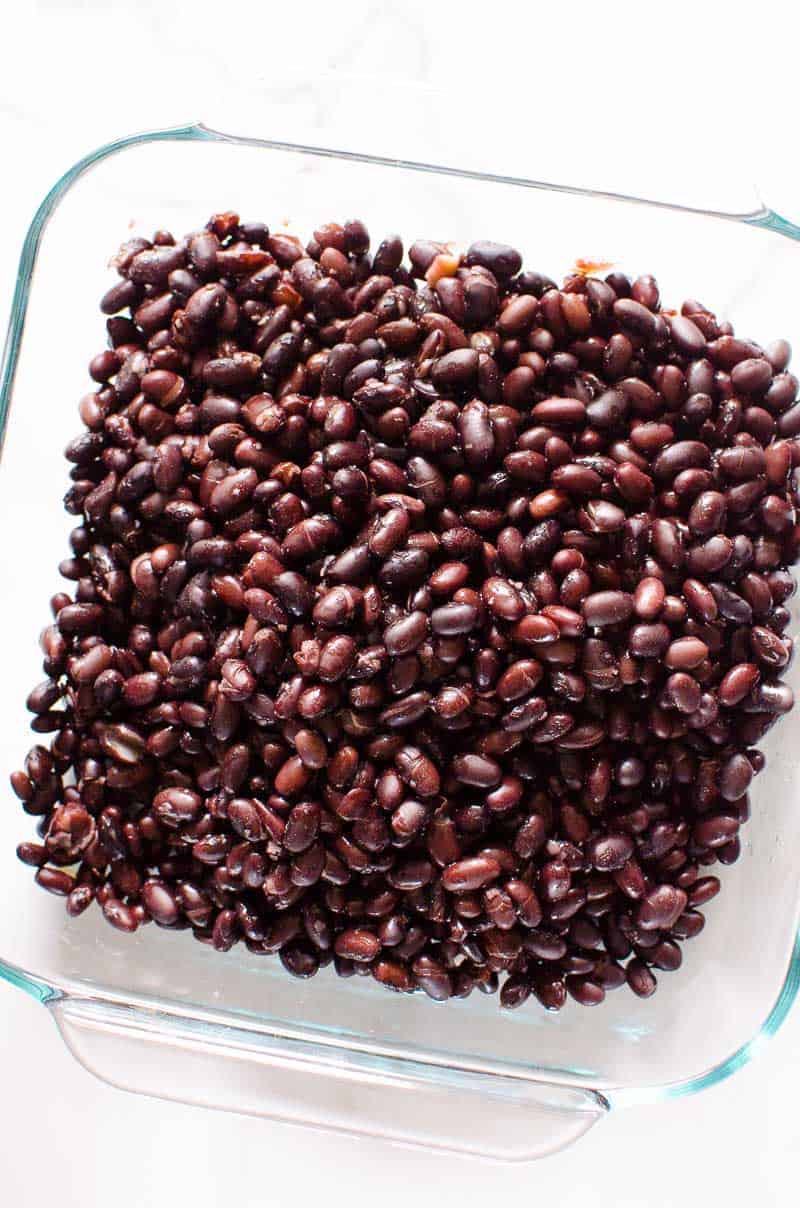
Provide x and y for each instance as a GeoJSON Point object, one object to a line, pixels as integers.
{"type": "Point", "coordinates": [424, 618]}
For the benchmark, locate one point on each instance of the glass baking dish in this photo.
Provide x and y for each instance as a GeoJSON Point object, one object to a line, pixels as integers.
{"type": "Point", "coordinates": [160, 1014]}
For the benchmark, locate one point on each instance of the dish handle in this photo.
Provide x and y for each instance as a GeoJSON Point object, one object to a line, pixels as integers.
{"type": "Point", "coordinates": [304, 1081]}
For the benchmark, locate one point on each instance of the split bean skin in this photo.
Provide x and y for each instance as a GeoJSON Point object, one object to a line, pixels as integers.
{"type": "Point", "coordinates": [423, 616]}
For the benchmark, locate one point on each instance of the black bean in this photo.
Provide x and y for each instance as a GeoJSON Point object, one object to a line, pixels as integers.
{"type": "Point", "coordinates": [456, 370]}
{"type": "Point", "coordinates": [634, 316]}
{"type": "Point", "coordinates": [686, 335]}
{"type": "Point", "coordinates": [661, 908]}
{"type": "Point", "coordinates": [610, 852]}
{"type": "Point", "coordinates": [357, 944]}
{"type": "Point", "coordinates": [477, 436]}
{"type": "Point", "coordinates": [406, 634]}
{"type": "Point", "coordinates": [737, 683]}
{"type": "Point", "coordinates": [607, 608]}
{"type": "Point", "coordinates": [751, 376]}
{"type": "Point", "coordinates": [500, 259]}
{"type": "Point", "coordinates": [470, 874]}
{"type": "Point", "coordinates": [478, 770]}
{"type": "Point", "coordinates": [453, 619]}
{"type": "Point", "coordinates": [640, 979]}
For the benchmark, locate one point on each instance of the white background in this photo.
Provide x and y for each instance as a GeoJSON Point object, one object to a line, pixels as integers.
{"type": "Point", "coordinates": [670, 100]}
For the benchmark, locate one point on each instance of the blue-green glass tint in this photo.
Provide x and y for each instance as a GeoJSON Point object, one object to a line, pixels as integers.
{"type": "Point", "coordinates": [625, 1053]}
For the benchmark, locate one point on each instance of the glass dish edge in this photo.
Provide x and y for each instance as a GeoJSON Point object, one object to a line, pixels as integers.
{"type": "Point", "coordinates": [46, 993]}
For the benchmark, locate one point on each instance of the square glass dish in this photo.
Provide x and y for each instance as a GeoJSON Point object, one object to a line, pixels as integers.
{"type": "Point", "coordinates": [157, 1013]}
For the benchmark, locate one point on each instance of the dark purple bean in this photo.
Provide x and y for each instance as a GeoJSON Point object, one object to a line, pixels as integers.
{"type": "Point", "coordinates": [737, 683]}
{"type": "Point", "coordinates": [406, 634]}
{"type": "Point", "coordinates": [452, 619]}
{"type": "Point", "coordinates": [715, 830]}
{"type": "Point", "coordinates": [640, 979]}
{"type": "Point", "coordinates": [473, 873]}
{"type": "Point", "coordinates": [686, 335]}
{"type": "Point", "coordinates": [477, 770]}
{"type": "Point", "coordinates": [500, 259]}
{"type": "Point", "coordinates": [685, 653]}
{"type": "Point", "coordinates": [607, 608]}
{"type": "Point", "coordinates": [751, 376]}
{"type": "Point", "coordinates": [456, 370]}
{"type": "Point", "coordinates": [661, 908]}
{"type": "Point", "coordinates": [357, 944]}
{"type": "Point", "coordinates": [610, 852]}
{"type": "Point", "coordinates": [634, 317]}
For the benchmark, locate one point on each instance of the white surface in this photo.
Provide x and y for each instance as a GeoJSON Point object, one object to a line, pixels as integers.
{"type": "Point", "coordinates": [572, 94]}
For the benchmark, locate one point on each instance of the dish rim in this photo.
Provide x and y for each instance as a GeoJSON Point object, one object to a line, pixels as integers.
{"type": "Point", "coordinates": [60, 990]}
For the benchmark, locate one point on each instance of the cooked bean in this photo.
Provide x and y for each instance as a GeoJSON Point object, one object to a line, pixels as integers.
{"type": "Point", "coordinates": [735, 777]}
{"type": "Point", "coordinates": [685, 653]}
{"type": "Point", "coordinates": [607, 608]}
{"type": "Point", "coordinates": [687, 336]}
{"type": "Point", "coordinates": [684, 692]}
{"type": "Point", "coordinates": [406, 634]}
{"type": "Point", "coordinates": [473, 873]}
{"type": "Point", "coordinates": [737, 683]}
{"type": "Point", "coordinates": [715, 830]}
{"type": "Point", "coordinates": [610, 851]}
{"type": "Point", "coordinates": [648, 599]}
{"type": "Point", "coordinates": [640, 979]}
{"type": "Point", "coordinates": [452, 619]}
{"type": "Point", "coordinates": [634, 316]}
{"type": "Point", "coordinates": [357, 944]}
{"type": "Point", "coordinates": [751, 376]}
{"type": "Point", "coordinates": [661, 908]}
{"type": "Point", "coordinates": [476, 770]}
{"type": "Point", "coordinates": [562, 412]}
